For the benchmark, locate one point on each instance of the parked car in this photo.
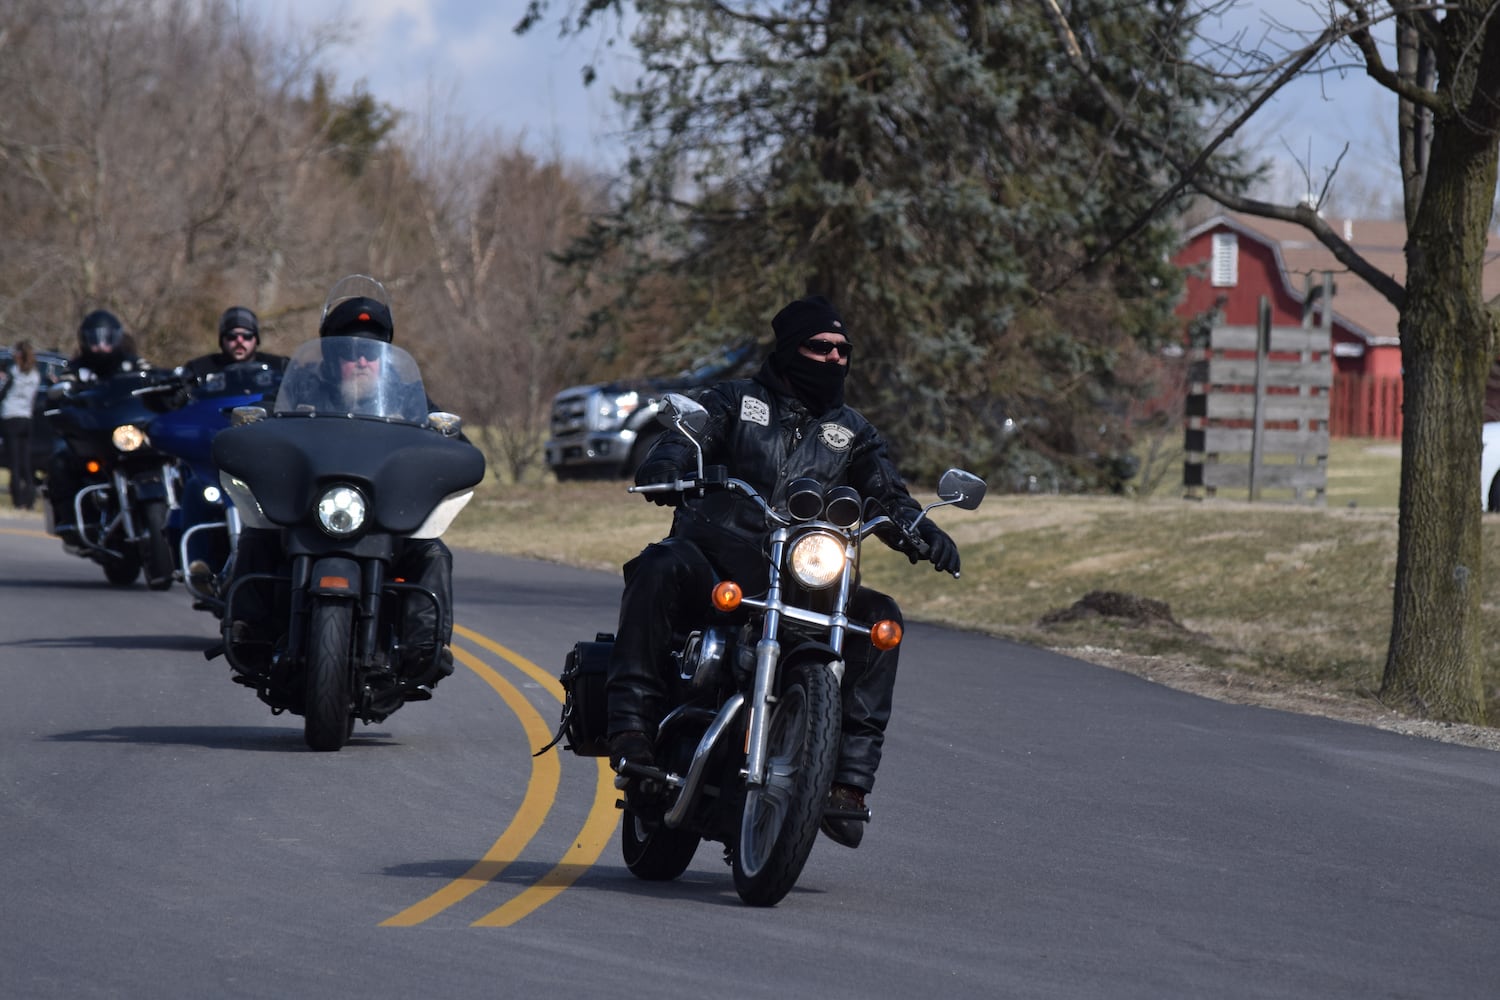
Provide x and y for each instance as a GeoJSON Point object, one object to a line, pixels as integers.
{"type": "Point", "coordinates": [51, 365]}
{"type": "Point", "coordinates": [603, 431]}
{"type": "Point", "coordinates": [1489, 469]}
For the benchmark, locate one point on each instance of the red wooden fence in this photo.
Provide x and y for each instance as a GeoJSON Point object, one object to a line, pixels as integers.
{"type": "Point", "coordinates": [1365, 406]}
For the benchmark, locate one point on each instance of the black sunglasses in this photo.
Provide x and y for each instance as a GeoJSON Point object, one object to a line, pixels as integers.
{"type": "Point", "coordinates": [239, 335]}
{"type": "Point", "coordinates": [355, 350]}
{"type": "Point", "coordinates": [823, 348]}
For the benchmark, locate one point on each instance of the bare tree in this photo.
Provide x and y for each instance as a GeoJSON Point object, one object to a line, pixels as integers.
{"type": "Point", "coordinates": [498, 304]}
{"type": "Point", "coordinates": [1445, 90]}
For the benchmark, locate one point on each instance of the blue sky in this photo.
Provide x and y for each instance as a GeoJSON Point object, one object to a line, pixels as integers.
{"type": "Point", "coordinates": [462, 56]}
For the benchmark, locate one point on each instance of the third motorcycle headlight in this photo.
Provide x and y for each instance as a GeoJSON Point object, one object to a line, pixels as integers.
{"type": "Point", "coordinates": [817, 559]}
{"type": "Point", "coordinates": [341, 510]}
{"type": "Point", "coordinates": [128, 437]}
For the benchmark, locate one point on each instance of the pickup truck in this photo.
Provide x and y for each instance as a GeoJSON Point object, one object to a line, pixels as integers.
{"type": "Point", "coordinates": [603, 431]}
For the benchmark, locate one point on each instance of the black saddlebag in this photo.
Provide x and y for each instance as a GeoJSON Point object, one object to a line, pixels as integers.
{"type": "Point", "coordinates": [584, 726]}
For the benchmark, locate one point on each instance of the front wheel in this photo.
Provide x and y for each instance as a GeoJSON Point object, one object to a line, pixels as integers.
{"type": "Point", "coordinates": [781, 818]}
{"type": "Point", "coordinates": [328, 713]}
{"type": "Point", "coordinates": [156, 549]}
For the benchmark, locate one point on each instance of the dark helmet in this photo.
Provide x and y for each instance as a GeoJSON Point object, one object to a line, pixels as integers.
{"type": "Point", "coordinates": [358, 306]}
{"type": "Point", "coordinates": [359, 317]}
{"type": "Point", "coordinates": [100, 333]}
{"type": "Point", "coordinates": [238, 318]}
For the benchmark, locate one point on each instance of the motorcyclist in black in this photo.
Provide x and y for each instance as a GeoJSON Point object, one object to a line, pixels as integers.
{"type": "Point", "coordinates": [239, 340]}
{"type": "Point", "coordinates": [426, 562]}
{"type": "Point", "coordinates": [104, 350]}
{"type": "Point", "coordinates": [786, 422]}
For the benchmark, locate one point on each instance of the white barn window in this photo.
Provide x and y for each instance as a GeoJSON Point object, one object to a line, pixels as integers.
{"type": "Point", "coordinates": [1226, 265]}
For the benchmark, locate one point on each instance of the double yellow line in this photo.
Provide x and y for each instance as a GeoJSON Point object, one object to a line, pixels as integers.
{"type": "Point", "coordinates": [541, 791]}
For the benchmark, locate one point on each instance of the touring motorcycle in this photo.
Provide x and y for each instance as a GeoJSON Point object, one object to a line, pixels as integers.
{"type": "Point", "coordinates": [748, 757]}
{"type": "Point", "coordinates": [343, 484]}
{"type": "Point", "coordinates": [127, 485]}
{"type": "Point", "coordinates": [204, 526]}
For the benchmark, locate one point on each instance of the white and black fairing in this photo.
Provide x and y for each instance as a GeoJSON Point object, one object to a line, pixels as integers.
{"type": "Point", "coordinates": [379, 442]}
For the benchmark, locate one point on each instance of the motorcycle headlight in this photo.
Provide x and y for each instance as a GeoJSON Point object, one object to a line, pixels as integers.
{"type": "Point", "coordinates": [817, 559]}
{"type": "Point", "coordinates": [128, 437]}
{"type": "Point", "coordinates": [341, 510]}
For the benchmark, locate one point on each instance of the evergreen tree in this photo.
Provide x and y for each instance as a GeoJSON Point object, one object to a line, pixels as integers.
{"type": "Point", "coordinates": [927, 168]}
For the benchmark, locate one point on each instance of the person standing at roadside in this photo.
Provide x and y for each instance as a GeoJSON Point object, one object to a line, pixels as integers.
{"type": "Point", "coordinates": [17, 397]}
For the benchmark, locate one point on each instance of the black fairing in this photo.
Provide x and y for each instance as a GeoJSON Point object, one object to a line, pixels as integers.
{"type": "Point", "coordinates": [404, 470]}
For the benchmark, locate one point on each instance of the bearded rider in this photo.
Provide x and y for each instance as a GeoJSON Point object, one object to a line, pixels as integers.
{"type": "Point", "coordinates": [788, 421]}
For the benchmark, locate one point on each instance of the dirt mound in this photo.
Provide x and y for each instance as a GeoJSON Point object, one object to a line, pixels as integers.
{"type": "Point", "coordinates": [1139, 611]}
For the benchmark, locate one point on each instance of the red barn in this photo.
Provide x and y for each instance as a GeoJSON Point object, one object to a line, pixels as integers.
{"type": "Point", "coordinates": [1231, 260]}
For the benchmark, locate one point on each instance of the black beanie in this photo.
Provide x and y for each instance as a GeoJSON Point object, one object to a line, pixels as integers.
{"type": "Point", "coordinates": [802, 319]}
{"type": "Point", "coordinates": [238, 318]}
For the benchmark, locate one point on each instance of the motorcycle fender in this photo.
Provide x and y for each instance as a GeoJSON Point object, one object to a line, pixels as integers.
{"type": "Point", "coordinates": [334, 576]}
{"type": "Point", "coordinates": [815, 652]}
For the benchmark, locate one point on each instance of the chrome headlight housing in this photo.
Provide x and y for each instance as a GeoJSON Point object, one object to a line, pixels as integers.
{"type": "Point", "coordinates": [817, 559]}
{"type": "Point", "coordinates": [129, 437]}
{"type": "Point", "coordinates": [341, 510]}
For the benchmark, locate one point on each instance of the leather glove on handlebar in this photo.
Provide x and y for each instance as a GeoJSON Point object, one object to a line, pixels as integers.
{"type": "Point", "coordinates": [942, 551]}
{"type": "Point", "coordinates": [659, 472]}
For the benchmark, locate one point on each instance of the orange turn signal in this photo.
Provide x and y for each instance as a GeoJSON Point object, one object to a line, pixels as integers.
{"type": "Point", "coordinates": [333, 582]}
{"type": "Point", "coordinates": [885, 634]}
{"type": "Point", "coordinates": [92, 466]}
{"type": "Point", "coordinates": [727, 595]}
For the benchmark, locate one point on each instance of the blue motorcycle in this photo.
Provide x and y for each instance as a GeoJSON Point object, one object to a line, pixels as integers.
{"type": "Point", "coordinates": [204, 526]}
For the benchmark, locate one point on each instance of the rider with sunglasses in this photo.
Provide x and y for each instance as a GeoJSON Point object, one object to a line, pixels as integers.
{"type": "Point", "coordinates": [352, 333]}
{"type": "Point", "coordinates": [788, 421]}
{"type": "Point", "coordinates": [239, 340]}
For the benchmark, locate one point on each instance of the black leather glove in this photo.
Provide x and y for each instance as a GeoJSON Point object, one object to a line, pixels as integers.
{"type": "Point", "coordinates": [943, 552]}
{"type": "Point", "coordinates": [659, 472]}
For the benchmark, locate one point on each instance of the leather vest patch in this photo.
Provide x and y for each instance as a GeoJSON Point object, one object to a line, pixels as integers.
{"type": "Point", "coordinates": [836, 436]}
{"type": "Point", "coordinates": [755, 411]}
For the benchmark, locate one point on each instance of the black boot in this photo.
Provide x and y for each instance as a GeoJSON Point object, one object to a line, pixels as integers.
{"type": "Point", "coordinates": [845, 815]}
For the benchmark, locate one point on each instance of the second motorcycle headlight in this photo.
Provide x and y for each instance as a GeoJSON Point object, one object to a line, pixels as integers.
{"type": "Point", "coordinates": [817, 559]}
{"type": "Point", "coordinates": [341, 510]}
{"type": "Point", "coordinates": [128, 437]}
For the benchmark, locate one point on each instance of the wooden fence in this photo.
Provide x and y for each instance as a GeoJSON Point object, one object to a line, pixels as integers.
{"type": "Point", "coordinates": [1258, 411]}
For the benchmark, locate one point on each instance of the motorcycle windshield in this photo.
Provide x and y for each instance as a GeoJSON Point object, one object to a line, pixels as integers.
{"type": "Point", "coordinates": [353, 377]}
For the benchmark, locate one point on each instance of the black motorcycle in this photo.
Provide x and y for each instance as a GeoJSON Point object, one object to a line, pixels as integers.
{"type": "Point", "coordinates": [342, 479]}
{"type": "Point", "coordinates": [748, 756]}
{"type": "Point", "coordinates": [126, 485]}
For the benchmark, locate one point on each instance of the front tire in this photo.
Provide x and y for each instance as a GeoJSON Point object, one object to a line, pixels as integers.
{"type": "Point", "coordinates": [780, 820]}
{"type": "Point", "coordinates": [328, 713]}
{"type": "Point", "coordinates": [157, 551]}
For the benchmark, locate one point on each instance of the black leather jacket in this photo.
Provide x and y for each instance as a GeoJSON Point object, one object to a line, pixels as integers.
{"type": "Point", "coordinates": [766, 437]}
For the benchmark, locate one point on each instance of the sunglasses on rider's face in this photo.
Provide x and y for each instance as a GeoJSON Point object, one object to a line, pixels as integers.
{"type": "Point", "coordinates": [823, 348]}
{"type": "Point", "coordinates": [244, 335]}
{"type": "Point", "coordinates": [356, 351]}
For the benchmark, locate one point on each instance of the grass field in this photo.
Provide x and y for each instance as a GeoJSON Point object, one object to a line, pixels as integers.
{"type": "Point", "coordinates": [1270, 592]}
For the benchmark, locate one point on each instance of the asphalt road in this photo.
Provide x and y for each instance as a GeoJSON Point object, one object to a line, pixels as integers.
{"type": "Point", "coordinates": [1042, 828]}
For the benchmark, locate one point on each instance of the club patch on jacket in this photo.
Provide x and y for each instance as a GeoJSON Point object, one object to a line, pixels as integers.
{"type": "Point", "coordinates": [836, 437]}
{"type": "Point", "coordinates": [755, 411]}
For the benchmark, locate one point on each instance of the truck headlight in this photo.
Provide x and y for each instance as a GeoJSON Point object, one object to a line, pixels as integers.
{"type": "Point", "coordinates": [614, 409]}
{"type": "Point", "coordinates": [128, 437]}
{"type": "Point", "coordinates": [341, 510]}
{"type": "Point", "coordinates": [817, 559]}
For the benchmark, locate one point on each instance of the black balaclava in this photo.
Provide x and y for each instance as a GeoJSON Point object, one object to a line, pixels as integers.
{"type": "Point", "coordinates": [818, 384]}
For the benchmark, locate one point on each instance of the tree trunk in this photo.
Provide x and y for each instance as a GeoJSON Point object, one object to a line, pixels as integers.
{"type": "Point", "coordinates": [1433, 664]}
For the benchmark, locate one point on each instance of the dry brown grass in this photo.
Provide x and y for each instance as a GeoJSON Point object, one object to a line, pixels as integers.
{"type": "Point", "coordinates": [1272, 597]}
